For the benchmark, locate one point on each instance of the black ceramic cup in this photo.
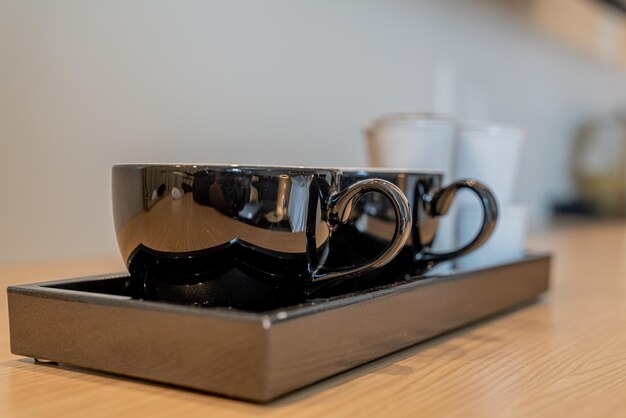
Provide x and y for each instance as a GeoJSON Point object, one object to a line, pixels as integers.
{"type": "Point", "coordinates": [371, 225]}
{"type": "Point", "coordinates": [240, 235]}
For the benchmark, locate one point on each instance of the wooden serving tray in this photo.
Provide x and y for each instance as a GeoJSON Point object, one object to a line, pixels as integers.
{"type": "Point", "coordinates": [93, 323]}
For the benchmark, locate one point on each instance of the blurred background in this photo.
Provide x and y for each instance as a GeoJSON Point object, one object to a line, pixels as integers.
{"type": "Point", "coordinates": [85, 85]}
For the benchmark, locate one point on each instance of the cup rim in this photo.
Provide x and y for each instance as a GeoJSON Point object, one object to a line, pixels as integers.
{"type": "Point", "coordinates": [411, 118]}
{"type": "Point", "coordinates": [227, 167]}
{"type": "Point", "coordinates": [487, 125]}
{"type": "Point", "coordinates": [286, 168]}
{"type": "Point", "coordinates": [416, 116]}
{"type": "Point", "coordinates": [392, 170]}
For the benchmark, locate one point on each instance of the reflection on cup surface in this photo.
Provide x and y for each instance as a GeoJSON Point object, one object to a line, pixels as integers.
{"type": "Point", "coordinates": [191, 224]}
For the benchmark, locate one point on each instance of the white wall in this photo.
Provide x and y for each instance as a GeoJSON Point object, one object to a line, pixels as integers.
{"type": "Point", "coordinates": [86, 84]}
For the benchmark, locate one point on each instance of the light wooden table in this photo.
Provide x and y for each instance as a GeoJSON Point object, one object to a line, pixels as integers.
{"type": "Point", "coordinates": [564, 356]}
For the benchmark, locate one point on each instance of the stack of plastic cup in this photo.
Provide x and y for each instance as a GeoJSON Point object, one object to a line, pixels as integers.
{"type": "Point", "coordinates": [491, 153]}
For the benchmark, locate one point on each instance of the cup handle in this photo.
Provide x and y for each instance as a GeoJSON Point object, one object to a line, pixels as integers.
{"type": "Point", "coordinates": [438, 204]}
{"type": "Point", "coordinates": [339, 207]}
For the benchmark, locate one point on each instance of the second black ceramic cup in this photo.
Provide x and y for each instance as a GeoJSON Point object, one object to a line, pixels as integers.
{"type": "Point", "coordinates": [240, 235]}
{"type": "Point", "coordinates": [373, 220]}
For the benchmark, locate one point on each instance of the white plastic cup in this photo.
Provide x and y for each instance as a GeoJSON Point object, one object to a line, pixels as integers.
{"type": "Point", "coordinates": [507, 243]}
{"type": "Point", "coordinates": [422, 141]}
{"type": "Point", "coordinates": [491, 153]}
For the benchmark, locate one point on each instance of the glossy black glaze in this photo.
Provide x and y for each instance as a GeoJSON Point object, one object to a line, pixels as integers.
{"type": "Point", "coordinates": [240, 234]}
{"type": "Point", "coordinates": [372, 223]}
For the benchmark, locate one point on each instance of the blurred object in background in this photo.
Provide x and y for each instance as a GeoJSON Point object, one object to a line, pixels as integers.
{"type": "Point", "coordinates": [421, 140]}
{"type": "Point", "coordinates": [618, 4]}
{"type": "Point", "coordinates": [491, 153]}
{"type": "Point", "coordinates": [595, 28]}
{"type": "Point", "coordinates": [599, 169]}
